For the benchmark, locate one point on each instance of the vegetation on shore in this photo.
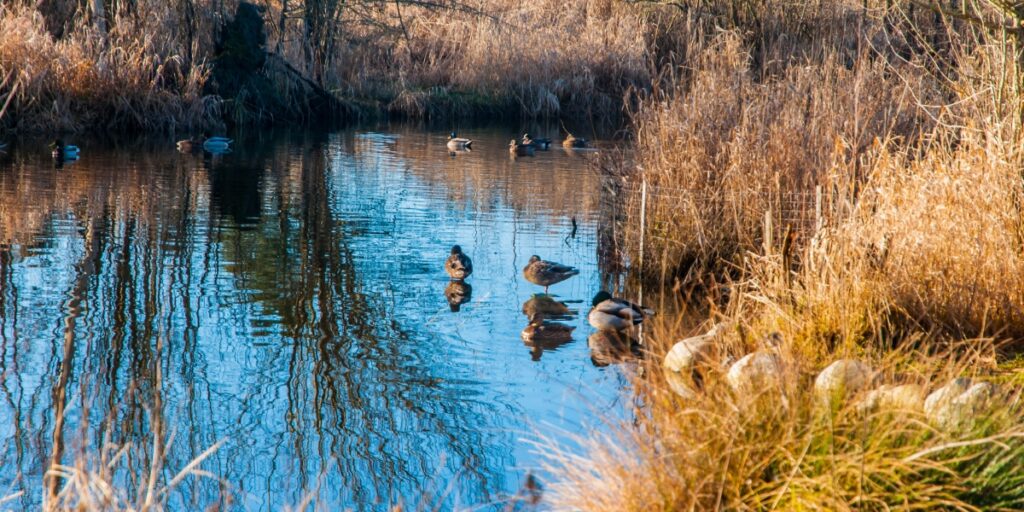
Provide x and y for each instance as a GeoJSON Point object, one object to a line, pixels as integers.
{"type": "Point", "coordinates": [69, 66]}
{"type": "Point", "coordinates": [829, 193]}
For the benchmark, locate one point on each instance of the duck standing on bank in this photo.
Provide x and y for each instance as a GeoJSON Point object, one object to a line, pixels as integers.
{"type": "Point", "coordinates": [612, 314]}
{"type": "Point", "coordinates": [547, 273]}
{"type": "Point", "coordinates": [455, 142]}
{"type": "Point", "coordinates": [64, 152]}
{"type": "Point", "coordinates": [540, 143]}
{"type": "Point", "coordinates": [458, 265]}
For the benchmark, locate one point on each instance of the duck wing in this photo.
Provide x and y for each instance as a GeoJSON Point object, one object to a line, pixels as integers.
{"type": "Point", "coordinates": [557, 268]}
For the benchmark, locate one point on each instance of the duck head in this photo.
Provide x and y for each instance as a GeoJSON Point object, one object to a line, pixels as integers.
{"type": "Point", "coordinates": [600, 297]}
{"type": "Point", "coordinates": [534, 258]}
{"type": "Point", "coordinates": [57, 144]}
{"type": "Point", "coordinates": [456, 249]}
{"type": "Point", "coordinates": [451, 135]}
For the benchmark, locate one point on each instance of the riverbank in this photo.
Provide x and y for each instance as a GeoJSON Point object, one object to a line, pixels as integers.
{"type": "Point", "coordinates": [853, 197]}
{"type": "Point", "coordinates": [178, 67]}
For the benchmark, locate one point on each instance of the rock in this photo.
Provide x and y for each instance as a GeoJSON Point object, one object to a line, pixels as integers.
{"type": "Point", "coordinates": [690, 352]}
{"type": "Point", "coordinates": [681, 384]}
{"type": "Point", "coordinates": [888, 397]}
{"type": "Point", "coordinates": [958, 403]}
{"type": "Point", "coordinates": [755, 372]}
{"type": "Point", "coordinates": [687, 354]}
{"type": "Point", "coordinates": [842, 379]}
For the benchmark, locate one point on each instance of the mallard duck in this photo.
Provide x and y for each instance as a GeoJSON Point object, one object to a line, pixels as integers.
{"type": "Point", "coordinates": [547, 273]}
{"type": "Point", "coordinates": [572, 142]}
{"type": "Point", "coordinates": [518, 149]}
{"type": "Point", "coordinates": [542, 144]}
{"type": "Point", "coordinates": [458, 142]}
{"type": "Point", "coordinates": [610, 347]}
{"type": "Point", "coordinates": [611, 314]}
{"type": "Point", "coordinates": [458, 265]}
{"type": "Point", "coordinates": [547, 306]}
{"type": "Point", "coordinates": [214, 145]}
{"type": "Point", "coordinates": [63, 151]}
{"type": "Point", "coordinates": [541, 331]}
{"type": "Point", "coordinates": [457, 293]}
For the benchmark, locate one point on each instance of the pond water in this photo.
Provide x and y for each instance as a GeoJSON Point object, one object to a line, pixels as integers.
{"type": "Point", "coordinates": [288, 300]}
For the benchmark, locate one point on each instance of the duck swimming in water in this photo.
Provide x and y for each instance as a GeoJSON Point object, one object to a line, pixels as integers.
{"type": "Point", "coordinates": [63, 151]}
{"type": "Point", "coordinates": [455, 142]}
{"type": "Point", "coordinates": [458, 265]}
{"type": "Point", "coordinates": [541, 144]}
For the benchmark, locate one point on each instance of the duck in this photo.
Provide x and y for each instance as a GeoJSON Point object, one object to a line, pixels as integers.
{"type": "Point", "coordinates": [455, 142]}
{"type": "Point", "coordinates": [547, 306]}
{"type": "Point", "coordinates": [457, 293]}
{"type": "Point", "coordinates": [572, 142]}
{"type": "Point", "coordinates": [210, 144]}
{"type": "Point", "coordinates": [541, 331]}
{"type": "Point", "coordinates": [458, 265]}
{"type": "Point", "coordinates": [612, 314]}
{"type": "Point", "coordinates": [63, 151]}
{"type": "Point", "coordinates": [518, 149]}
{"type": "Point", "coordinates": [540, 143]}
{"type": "Point", "coordinates": [547, 273]}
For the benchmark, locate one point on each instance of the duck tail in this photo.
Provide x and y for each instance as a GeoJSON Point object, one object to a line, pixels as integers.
{"type": "Point", "coordinates": [469, 144]}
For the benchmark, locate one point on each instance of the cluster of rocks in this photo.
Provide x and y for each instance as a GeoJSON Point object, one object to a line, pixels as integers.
{"type": "Point", "coordinates": [761, 374]}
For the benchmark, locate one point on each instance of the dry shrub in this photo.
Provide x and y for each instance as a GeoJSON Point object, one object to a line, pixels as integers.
{"type": "Point", "coordinates": [722, 149]}
{"type": "Point", "coordinates": [130, 79]}
{"type": "Point", "coordinates": [543, 58]}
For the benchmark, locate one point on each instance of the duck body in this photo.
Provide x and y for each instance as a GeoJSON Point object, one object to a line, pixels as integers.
{"type": "Point", "coordinates": [458, 265]}
{"type": "Point", "coordinates": [217, 144]}
{"type": "Point", "coordinates": [547, 273]}
{"type": "Point", "coordinates": [612, 314]}
{"type": "Point", "coordinates": [458, 142]}
{"type": "Point", "coordinates": [63, 151]}
{"type": "Point", "coordinates": [516, 148]}
{"type": "Point", "coordinates": [572, 142]}
{"type": "Point", "coordinates": [542, 144]}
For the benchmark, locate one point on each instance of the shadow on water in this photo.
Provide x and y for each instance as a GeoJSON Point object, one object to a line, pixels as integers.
{"type": "Point", "coordinates": [288, 298]}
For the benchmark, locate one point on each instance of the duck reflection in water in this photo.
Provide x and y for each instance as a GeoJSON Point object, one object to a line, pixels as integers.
{"type": "Point", "coordinates": [611, 347]}
{"type": "Point", "coordinates": [548, 307]}
{"type": "Point", "coordinates": [458, 293]}
{"type": "Point", "coordinates": [541, 335]}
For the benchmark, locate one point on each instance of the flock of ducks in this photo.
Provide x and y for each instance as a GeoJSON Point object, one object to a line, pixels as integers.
{"type": "Point", "coordinates": [522, 147]}
{"type": "Point", "coordinates": [614, 319]}
{"type": "Point", "coordinates": [66, 153]}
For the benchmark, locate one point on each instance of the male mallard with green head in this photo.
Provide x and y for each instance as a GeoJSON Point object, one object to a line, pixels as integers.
{"type": "Point", "coordinates": [612, 314]}
{"type": "Point", "coordinates": [455, 142]}
{"type": "Point", "coordinates": [547, 273]}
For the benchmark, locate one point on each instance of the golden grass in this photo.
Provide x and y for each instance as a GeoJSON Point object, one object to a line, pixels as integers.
{"type": "Point", "coordinates": [903, 249]}
{"type": "Point", "coordinates": [83, 81]}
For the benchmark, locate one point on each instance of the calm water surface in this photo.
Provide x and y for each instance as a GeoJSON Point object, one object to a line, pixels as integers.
{"type": "Point", "coordinates": [288, 300]}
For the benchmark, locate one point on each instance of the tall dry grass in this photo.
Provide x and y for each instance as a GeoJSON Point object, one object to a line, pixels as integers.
{"type": "Point", "coordinates": [901, 247]}
{"type": "Point", "coordinates": [135, 77]}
